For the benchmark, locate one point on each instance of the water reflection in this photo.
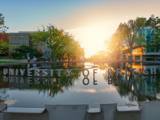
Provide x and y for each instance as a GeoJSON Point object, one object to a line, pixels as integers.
{"type": "Point", "coordinates": [61, 89]}
{"type": "Point", "coordinates": [113, 86]}
{"type": "Point", "coordinates": [52, 85]}
{"type": "Point", "coordinates": [138, 85]}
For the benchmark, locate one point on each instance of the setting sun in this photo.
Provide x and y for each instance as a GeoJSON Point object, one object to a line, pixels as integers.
{"type": "Point", "coordinates": [92, 37]}
{"type": "Point", "coordinates": [79, 59]}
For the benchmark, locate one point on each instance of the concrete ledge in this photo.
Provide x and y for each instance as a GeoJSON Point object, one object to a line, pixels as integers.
{"type": "Point", "coordinates": [151, 110]}
{"type": "Point", "coordinates": [67, 112]}
{"type": "Point", "coordinates": [24, 110]}
{"type": "Point", "coordinates": [94, 109]}
{"type": "Point", "coordinates": [109, 111]}
{"type": "Point", "coordinates": [128, 108]}
{"type": "Point", "coordinates": [66, 107]}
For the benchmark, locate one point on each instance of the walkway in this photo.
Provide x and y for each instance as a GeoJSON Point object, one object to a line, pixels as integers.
{"type": "Point", "coordinates": [149, 111]}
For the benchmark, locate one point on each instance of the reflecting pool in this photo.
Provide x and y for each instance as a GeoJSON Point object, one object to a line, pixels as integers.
{"type": "Point", "coordinates": [88, 85]}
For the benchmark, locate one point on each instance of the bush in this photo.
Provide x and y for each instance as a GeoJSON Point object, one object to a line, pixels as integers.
{"type": "Point", "coordinates": [22, 51]}
{"type": "Point", "coordinates": [4, 46]}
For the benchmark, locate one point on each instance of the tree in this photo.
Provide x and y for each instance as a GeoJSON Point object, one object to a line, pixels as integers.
{"type": "Point", "coordinates": [154, 23]}
{"type": "Point", "coordinates": [3, 28]}
{"type": "Point", "coordinates": [115, 47]}
{"type": "Point", "coordinates": [156, 41]}
{"type": "Point", "coordinates": [22, 51]}
{"type": "Point", "coordinates": [62, 45]}
{"type": "Point", "coordinates": [4, 46]}
{"type": "Point", "coordinates": [129, 34]}
{"type": "Point", "coordinates": [40, 36]}
{"type": "Point", "coordinates": [39, 42]}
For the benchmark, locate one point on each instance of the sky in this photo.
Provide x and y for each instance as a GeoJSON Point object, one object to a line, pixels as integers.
{"type": "Point", "coordinates": [91, 22]}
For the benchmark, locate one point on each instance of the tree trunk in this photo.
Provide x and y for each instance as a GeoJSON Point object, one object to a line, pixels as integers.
{"type": "Point", "coordinates": [131, 57]}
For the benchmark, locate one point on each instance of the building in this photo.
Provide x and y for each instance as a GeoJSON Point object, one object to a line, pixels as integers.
{"type": "Point", "coordinates": [147, 33]}
{"type": "Point", "coordinates": [24, 39]}
{"type": "Point", "coordinates": [142, 60]}
{"type": "Point", "coordinates": [137, 58]}
{"type": "Point", "coordinates": [18, 39]}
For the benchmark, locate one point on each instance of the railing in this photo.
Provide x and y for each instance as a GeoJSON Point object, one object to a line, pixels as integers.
{"type": "Point", "coordinates": [152, 53]}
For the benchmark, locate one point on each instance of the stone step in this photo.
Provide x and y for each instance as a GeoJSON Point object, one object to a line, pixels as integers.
{"type": "Point", "coordinates": [1, 116]}
{"type": "Point", "coordinates": [94, 108]}
{"type": "Point", "coordinates": [95, 116]}
{"type": "Point", "coordinates": [24, 110]}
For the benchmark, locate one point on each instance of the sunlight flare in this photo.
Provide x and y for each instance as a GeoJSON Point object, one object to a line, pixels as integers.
{"type": "Point", "coordinates": [92, 37]}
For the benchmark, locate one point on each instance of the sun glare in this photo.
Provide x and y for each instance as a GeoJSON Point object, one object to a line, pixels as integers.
{"type": "Point", "coordinates": [92, 38]}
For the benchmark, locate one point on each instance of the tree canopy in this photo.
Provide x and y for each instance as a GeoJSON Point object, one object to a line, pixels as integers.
{"type": "Point", "coordinates": [22, 51]}
{"type": "Point", "coordinates": [62, 45]}
{"type": "Point", "coordinates": [4, 46]}
{"type": "Point", "coordinates": [134, 33]}
{"type": "Point", "coordinates": [3, 28]}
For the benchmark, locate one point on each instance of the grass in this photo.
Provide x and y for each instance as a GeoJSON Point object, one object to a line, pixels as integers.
{"type": "Point", "coordinates": [1, 62]}
{"type": "Point", "coordinates": [10, 61]}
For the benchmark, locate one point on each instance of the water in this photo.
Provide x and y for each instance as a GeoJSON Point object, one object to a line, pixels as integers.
{"type": "Point", "coordinates": [68, 90]}
{"type": "Point", "coordinates": [140, 85]}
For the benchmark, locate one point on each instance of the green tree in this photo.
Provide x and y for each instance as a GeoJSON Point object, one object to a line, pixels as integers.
{"type": "Point", "coordinates": [3, 28]}
{"type": "Point", "coordinates": [62, 45]}
{"type": "Point", "coordinates": [156, 40]}
{"type": "Point", "coordinates": [4, 46]}
{"type": "Point", "coordinates": [154, 22]}
{"type": "Point", "coordinates": [114, 48]}
{"type": "Point", "coordinates": [22, 51]}
{"type": "Point", "coordinates": [39, 41]}
{"type": "Point", "coordinates": [40, 36]}
{"type": "Point", "coordinates": [129, 34]}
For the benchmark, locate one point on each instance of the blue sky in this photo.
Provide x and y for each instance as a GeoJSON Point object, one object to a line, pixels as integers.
{"type": "Point", "coordinates": [21, 15]}
{"type": "Point", "coordinates": [26, 14]}
{"type": "Point", "coordinates": [91, 22]}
